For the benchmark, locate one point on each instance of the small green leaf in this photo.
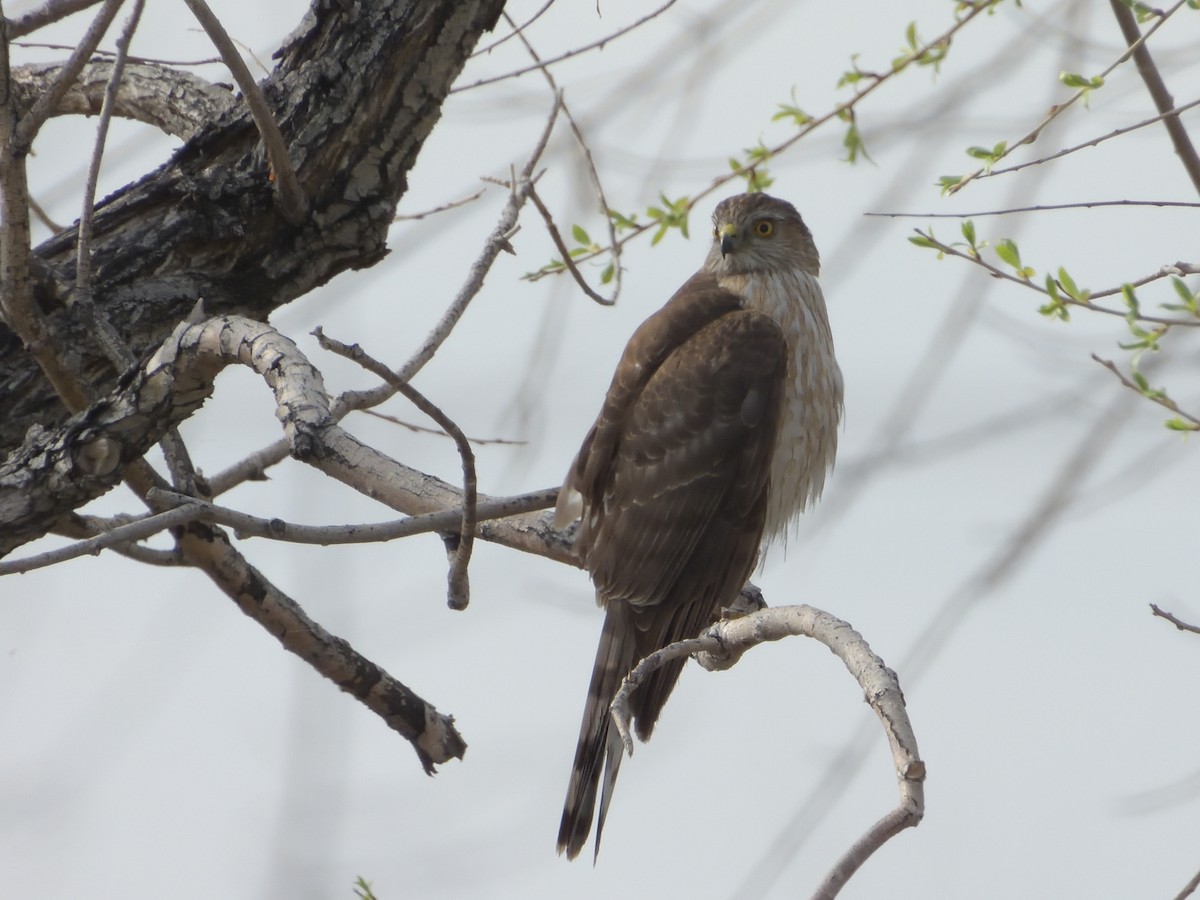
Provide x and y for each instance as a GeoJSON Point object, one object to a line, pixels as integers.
{"type": "Point", "coordinates": [622, 222]}
{"type": "Point", "coordinates": [607, 275]}
{"type": "Point", "coordinates": [1068, 285]}
{"type": "Point", "coordinates": [946, 182]}
{"type": "Point", "coordinates": [1007, 250]}
{"type": "Point", "coordinates": [1178, 424]}
{"type": "Point", "coordinates": [968, 232]}
{"type": "Point", "coordinates": [580, 235]}
{"type": "Point", "coordinates": [921, 241]}
{"type": "Point", "coordinates": [1129, 295]}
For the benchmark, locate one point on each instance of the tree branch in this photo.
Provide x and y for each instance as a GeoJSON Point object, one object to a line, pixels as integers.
{"type": "Point", "coordinates": [1163, 101]}
{"type": "Point", "coordinates": [432, 734]}
{"type": "Point", "coordinates": [293, 204]}
{"type": "Point", "coordinates": [1174, 620]}
{"type": "Point", "coordinates": [177, 103]}
{"type": "Point", "coordinates": [720, 647]}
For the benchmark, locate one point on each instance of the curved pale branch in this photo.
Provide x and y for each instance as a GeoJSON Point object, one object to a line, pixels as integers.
{"type": "Point", "coordinates": [723, 644]}
{"type": "Point", "coordinates": [84, 458]}
{"type": "Point", "coordinates": [177, 103]}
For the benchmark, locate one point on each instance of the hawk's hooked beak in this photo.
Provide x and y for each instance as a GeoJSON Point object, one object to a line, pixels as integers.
{"type": "Point", "coordinates": [728, 236]}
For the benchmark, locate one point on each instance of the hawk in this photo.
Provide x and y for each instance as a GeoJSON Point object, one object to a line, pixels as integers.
{"type": "Point", "coordinates": [717, 431]}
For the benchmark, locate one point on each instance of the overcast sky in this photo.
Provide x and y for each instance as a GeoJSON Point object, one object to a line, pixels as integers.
{"type": "Point", "coordinates": [1001, 515]}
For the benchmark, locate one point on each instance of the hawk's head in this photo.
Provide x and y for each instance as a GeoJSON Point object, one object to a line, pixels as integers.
{"type": "Point", "coordinates": [760, 233]}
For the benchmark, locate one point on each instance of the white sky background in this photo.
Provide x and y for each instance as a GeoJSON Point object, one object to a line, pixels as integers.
{"type": "Point", "coordinates": [157, 742]}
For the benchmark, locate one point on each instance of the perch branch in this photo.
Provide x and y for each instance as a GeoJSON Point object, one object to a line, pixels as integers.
{"type": "Point", "coordinates": [720, 646]}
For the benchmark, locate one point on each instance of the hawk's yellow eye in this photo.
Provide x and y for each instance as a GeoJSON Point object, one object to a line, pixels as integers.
{"type": "Point", "coordinates": [764, 227]}
{"type": "Point", "coordinates": [715, 234]}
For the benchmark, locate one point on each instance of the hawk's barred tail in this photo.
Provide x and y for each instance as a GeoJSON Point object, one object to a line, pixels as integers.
{"type": "Point", "coordinates": [599, 744]}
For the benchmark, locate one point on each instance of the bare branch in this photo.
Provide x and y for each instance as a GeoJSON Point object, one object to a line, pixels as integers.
{"type": "Point", "coordinates": [432, 734]}
{"type": "Point", "coordinates": [453, 204]}
{"type": "Point", "coordinates": [293, 203]}
{"type": "Point", "coordinates": [1163, 101]}
{"type": "Point", "coordinates": [114, 346]}
{"type": "Point", "coordinates": [1174, 620]}
{"type": "Point", "coordinates": [458, 589]}
{"type": "Point", "coordinates": [89, 453]}
{"type": "Point", "coordinates": [721, 645]}
{"type": "Point", "coordinates": [44, 106]}
{"type": "Point", "coordinates": [1083, 204]}
{"type": "Point", "coordinates": [436, 432]}
{"type": "Point", "coordinates": [1093, 142]}
{"type": "Point", "coordinates": [602, 42]}
{"type": "Point", "coordinates": [136, 530]}
{"type": "Point", "coordinates": [50, 12]}
{"type": "Point", "coordinates": [177, 103]}
{"type": "Point", "coordinates": [614, 246]}
{"type": "Point", "coordinates": [1189, 888]}
{"type": "Point", "coordinates": [516, 30]}
{"type": "Point", "coordinates": [245, 525]}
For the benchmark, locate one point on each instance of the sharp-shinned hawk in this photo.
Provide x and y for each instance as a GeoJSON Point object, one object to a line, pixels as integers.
{"type": "Point", "coordinates": [717, 431]}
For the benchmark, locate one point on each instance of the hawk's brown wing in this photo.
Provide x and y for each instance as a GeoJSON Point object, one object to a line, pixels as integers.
{"type": "Point", "coordinates": [673, 478]}
{"type": "Point", "coordinates": [675, 527]}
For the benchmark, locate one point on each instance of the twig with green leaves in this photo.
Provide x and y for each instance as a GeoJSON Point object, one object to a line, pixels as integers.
{"type": "Point", "coordinates": [1062, 291]}
{"type": "Point", "coordinates": [1083, 85]}
{"type": "Point", "coordinates": [673, 214]}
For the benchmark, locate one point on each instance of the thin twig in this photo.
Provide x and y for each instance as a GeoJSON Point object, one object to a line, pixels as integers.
{"type": "Point", "coordinates": [32, 122]}
{"type": "Point", "coordinates": [1163, 101]}
{"type": "Point", "coordinates": [1058, 109]}
{"type": "Point", "coordinates": [1174, 620]}
{"type": "Point", "coordinates": [1085, 204]}
{"type": "Point", "coordinates": [437, 432]}
{"type": "Point", "coordinates": [110, 341]}
{"type": "Point", "coordinates": [552, 229]}
{"type": "Point", "coordinates": [137, 530]}
{"type": "Point", "coordinates": [453, 204]}
{"type": "Point", "coordinates": [997, 272]}
{"type": "Point", "coordinates": [137, 60]}
{"type": "Point", "coordinates": [517, 30]}
{"type": "Point", "coordinates": [293, 203]}
{"type": "Point", "coordinates": [614, 246]}
{"type": "Point", "coordinates": [1093, 142]}
{"type": "Point", "coordinates": [602, 42]}
{"type": "Point", "coordinates": [496, 242]}
{"type": "Point", "coordinates": [47, 14]}
{"type": "Point", "coordinates": [1157, 396]}
{"type": "Point", "coordinates": [246, 525]}
{"type": "Point", "coordinates": [458, 590]}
